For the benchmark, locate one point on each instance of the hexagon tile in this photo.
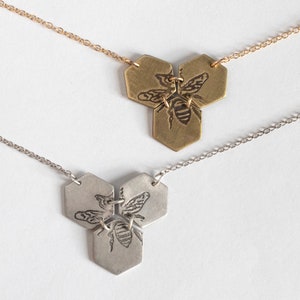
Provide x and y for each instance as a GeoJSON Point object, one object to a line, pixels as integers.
{"type": "Point", "coordinates": [117, 223]}
{"type": "Point", "coordinates": [176, 100]}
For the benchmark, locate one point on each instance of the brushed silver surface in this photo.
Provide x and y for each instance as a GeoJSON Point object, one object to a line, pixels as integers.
{"type": "Point", "coordinates": [119, 249]}
{"type": "Point", "coordinates": [81, 204]}
{"type": "Point", "coordinates": [117, 222]}
{"type": "Point", "coordinates": [156, 205]}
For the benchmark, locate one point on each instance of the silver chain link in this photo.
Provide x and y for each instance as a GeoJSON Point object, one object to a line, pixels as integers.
{"type": "Point", "coordinates": [228, 146]}
{"type": "Point", "coordinates": [41, 159]}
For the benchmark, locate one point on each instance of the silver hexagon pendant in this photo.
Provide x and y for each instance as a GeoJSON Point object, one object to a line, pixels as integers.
{"type": "Point", "coordinates": [116, 222]}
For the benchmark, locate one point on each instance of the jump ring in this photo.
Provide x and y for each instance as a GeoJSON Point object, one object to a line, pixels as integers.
{"type": "Point", "coordinates": [130, 223]}
{"type": "Point", "coordinates": [113, 202]}
{"type": "Point", "coordinates": [164, 100]}
{"type": "Point", "coordinates": [75, 179]}
{"type": "Point", "coordinates": [216, 63]}
{"type": "Point", "coordinates": [157, 178]}
{"type": "Point", "coordinates": [102, 223]}
{"type": "Point", "coordinates": [174, 78]}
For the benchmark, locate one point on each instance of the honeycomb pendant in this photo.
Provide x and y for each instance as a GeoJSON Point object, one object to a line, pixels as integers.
{"type": "Point", "coordinates": [176, 100]}
{"type": "Point", "coordinates": [116, 222]}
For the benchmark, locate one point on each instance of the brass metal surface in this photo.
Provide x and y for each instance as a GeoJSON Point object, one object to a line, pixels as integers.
{"type": "Point", "coordinates": [179, 136]}
{"type": "Point", "coordinates": [214, 87]}
{"type": "Point", "coordinates": [176, 99]}
{"type": "Point", "coordinates": [148, 83]}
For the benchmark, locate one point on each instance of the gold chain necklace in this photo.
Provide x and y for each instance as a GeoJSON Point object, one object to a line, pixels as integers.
{"type": "Point", "coordinates": [176, 99]}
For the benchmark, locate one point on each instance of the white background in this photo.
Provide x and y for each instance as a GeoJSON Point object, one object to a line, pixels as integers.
{"type": "Point", "coordinates": [233, 227]}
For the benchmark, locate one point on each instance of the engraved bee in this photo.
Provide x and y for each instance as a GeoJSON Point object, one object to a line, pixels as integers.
{"type": "Point", "coordinates": [118, 228]}
{"type": "Point", "coordinates": [179, 103]}
{"type": "Point", "coordinates": [123, 234]}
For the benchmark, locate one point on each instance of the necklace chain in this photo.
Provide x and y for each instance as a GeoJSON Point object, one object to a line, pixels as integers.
{"type": "Point", "coordinates": [228, 146]}
{"type": "Point", "coordinates": [200, 157]}
{"type": "Point", "coordinates": [39, 158]}
{"type": "Point", "coordinates": [98, 48]}
{"type": "Point", "coordinates": [123, 59]}
{"type": "Point", "coordinates": [70, 35]}
{"type": "Point", "coordinates": [258, 46]}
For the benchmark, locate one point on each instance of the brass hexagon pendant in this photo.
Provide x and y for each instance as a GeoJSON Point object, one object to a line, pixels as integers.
{"type": "Point", "coordinates": [176, 100]}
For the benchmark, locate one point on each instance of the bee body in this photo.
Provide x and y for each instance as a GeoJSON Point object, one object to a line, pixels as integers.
{"type": "Point", "coordinates": [123, 234]}
{"type": "Point", "coordinates": [182, 112]}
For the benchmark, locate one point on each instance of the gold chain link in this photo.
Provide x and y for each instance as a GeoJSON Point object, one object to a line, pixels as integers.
{"type": "Point", "coordinates": [68, 34]}
{"type": "Point", "coordinates": [258, 46]}
{"type": "Point", "coordinates": [98, 48]}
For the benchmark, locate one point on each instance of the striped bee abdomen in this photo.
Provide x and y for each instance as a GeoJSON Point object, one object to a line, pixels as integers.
{"type": "Point", "coordinates": [123, 234]}
{"type": "Point", "coordinates": [182, 112]}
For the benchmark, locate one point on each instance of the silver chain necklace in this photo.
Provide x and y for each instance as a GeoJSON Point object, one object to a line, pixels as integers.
{"type": "Point", "coordinates": [117, 221]}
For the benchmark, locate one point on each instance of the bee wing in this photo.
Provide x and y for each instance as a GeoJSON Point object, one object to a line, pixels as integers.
{"type": "Point", "coordinates": [89, 216]}
{"type": "Point", "coordinates": [164, 79]}
{"type": "Point", "coordinates": [136, 203]}
{"type": "Point", "coordinates": [194, 84]}
{"type": "Point", "coordinates": [154, 96]}
{"type": "Point", "coordinates": [104, 199]}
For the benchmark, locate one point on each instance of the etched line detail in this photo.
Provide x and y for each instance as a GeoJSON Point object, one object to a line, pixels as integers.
{"type": "Point", "coordinates": [180, 103]}
{"type": "Point", "coordinates": [119, 230]}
